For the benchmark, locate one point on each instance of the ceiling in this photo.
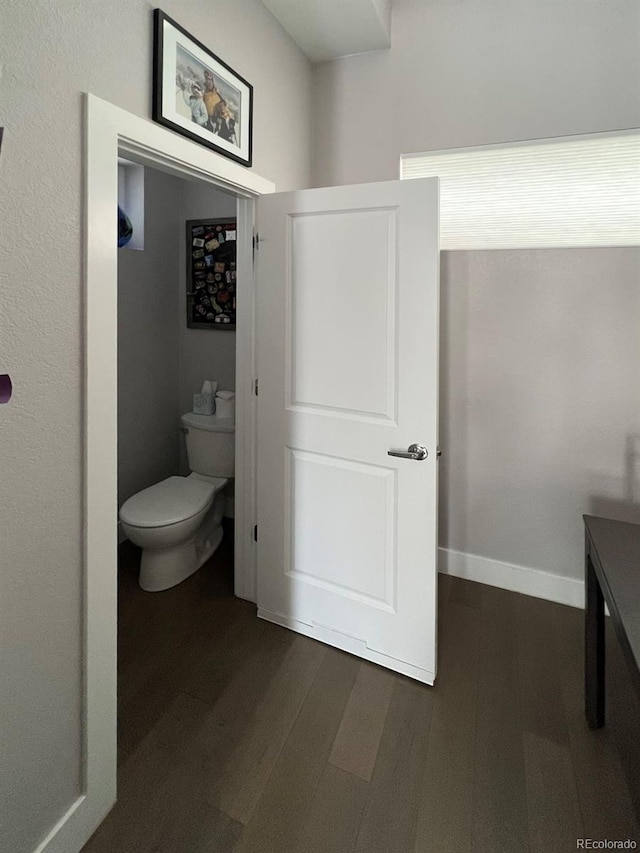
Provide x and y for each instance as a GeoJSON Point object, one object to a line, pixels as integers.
{"type": "Point", "coordinates": [329, 29]}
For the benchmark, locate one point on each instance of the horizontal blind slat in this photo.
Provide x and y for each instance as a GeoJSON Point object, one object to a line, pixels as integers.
{"type": "Point", "coordinates": [562, 192]}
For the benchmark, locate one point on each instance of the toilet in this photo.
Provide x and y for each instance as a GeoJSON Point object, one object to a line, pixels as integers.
{"type": "Point", "coordinates": [178, 522]}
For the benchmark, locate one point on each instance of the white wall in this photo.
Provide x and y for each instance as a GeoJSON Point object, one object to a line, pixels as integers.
{"type": "Point", "coordinates": [148, 343]}
{"type": "Point", "coordinates": [540, 350]}
{"type": "Point", "coordinates": [51, 53]}
{"type": "Point", "coordinates": [472, 73]}
{"type": "Point", "coordinates": [540, 402]}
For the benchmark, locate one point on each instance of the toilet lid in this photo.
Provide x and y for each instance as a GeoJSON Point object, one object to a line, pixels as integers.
{"type": "Point", "coordinates": [168, 502]}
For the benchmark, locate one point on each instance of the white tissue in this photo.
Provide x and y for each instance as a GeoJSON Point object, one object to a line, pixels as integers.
{"type": "Point", "coordinates": [226, 404]}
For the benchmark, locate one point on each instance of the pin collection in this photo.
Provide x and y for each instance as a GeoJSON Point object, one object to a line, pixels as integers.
{"type": "Point", "coordinates": [211, 268]}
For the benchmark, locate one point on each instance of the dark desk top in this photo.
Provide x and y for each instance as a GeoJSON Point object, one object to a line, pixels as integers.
{"type": "Point", "coordinates": [617, 549]}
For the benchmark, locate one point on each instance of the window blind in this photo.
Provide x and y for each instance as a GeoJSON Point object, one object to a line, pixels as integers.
{"type": "Point", "coordinates": [567, 191]}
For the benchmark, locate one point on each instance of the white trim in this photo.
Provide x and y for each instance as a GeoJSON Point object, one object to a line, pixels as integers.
{"type": "Point", "coordinates": [528, 581]}
{"type": "Point", "coordinates": [522, 143]}
{"type": "Point", "coordinates": [245, 473]}
{"type": "Point", "coordinates": [110, 131]}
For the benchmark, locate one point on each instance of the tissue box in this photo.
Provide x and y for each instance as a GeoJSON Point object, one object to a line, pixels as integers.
{"type": "Point", "coordinates": [203, 404]}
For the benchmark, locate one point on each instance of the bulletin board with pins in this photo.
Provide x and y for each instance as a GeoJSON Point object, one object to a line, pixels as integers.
{"type": "Point", "coordinates": [211, 273]}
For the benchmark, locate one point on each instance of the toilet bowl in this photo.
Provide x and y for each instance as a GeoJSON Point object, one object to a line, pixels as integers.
{"type": "Point", "coordinates": [177, 523]}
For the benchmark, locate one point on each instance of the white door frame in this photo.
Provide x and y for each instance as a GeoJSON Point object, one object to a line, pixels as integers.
{"type": "Point", "coordinates": [110, 130]}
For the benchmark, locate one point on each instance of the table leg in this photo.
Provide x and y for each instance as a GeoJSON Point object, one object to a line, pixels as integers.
{"type": "Point", "coordinates": [593, 648]}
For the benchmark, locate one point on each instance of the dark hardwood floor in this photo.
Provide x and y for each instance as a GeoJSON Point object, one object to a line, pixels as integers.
{"type": "Point", "coordinates": [238, 735]}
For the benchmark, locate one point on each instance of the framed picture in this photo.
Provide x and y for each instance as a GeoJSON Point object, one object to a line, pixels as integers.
{"type": "Point", "coordinates": [211, 273]}
{"type": "Point", "coordinates": [196, 94]}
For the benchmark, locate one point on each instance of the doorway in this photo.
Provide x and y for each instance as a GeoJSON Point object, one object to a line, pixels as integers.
{"type": "Point", "coordinates": [167, 348]}
{"type": "Point", "coordinates": [112, 132]}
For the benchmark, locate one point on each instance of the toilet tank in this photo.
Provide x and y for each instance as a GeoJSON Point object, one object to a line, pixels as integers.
{"type": "Point", "coordinates": [210, 444]}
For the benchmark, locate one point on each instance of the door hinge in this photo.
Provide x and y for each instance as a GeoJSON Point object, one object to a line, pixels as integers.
{"type": "Point", "coordinates": [255, 532]}
{"type": "Point", "coordinates": [255, 387]}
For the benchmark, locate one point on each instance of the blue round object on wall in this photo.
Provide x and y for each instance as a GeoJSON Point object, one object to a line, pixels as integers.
{"type": "Point", "coordinates": [125, 228]}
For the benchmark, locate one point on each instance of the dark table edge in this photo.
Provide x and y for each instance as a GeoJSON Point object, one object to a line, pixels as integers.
{"type": "Point", "coordinates": [621, 634]}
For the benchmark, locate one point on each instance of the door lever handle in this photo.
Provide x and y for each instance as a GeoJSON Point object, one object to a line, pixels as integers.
{"type": "Point", "coordinates": [414, 451]}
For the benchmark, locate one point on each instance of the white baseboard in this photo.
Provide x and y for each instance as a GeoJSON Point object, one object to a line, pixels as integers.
{"type": "Point", "coordinates": [521, 579]}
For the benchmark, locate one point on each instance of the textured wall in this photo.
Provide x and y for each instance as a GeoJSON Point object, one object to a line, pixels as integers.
{"type": "Point", "coordinates": [52, 51]}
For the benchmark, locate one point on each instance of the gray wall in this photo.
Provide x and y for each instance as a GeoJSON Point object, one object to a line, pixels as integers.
{"type": "Point", "coordinates": [204, 353]}
{"type": "Point", "coordinates": [161, 362]}
{"type": "Point", "coordinates": [148, 343]}
{"type": "Point", "coordinates": [540, 402]}
{"type": "Point", "coordinates": [51, 53]}
{"type": "Point", "coordinates": [540, 349]}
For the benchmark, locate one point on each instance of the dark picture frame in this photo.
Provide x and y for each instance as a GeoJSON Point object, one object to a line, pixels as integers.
{"type": "Point", "coordinates": [198, 95]}
{"type": "Point", "coordinates": [211, 273]}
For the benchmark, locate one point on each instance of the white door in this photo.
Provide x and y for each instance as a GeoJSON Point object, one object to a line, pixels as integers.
{"type": "Point", "coordinates": [347, 351]}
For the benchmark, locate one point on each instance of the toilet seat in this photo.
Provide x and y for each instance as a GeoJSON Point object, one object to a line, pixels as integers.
{"type": "Point", "coordinates": [171, 501]}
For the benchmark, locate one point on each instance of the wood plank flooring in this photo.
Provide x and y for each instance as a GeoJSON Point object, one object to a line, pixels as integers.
{"type": "Point", "coordinates": [238, 736]}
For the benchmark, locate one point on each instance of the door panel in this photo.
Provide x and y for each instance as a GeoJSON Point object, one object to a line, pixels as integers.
{"type": "Point", "coordinates": [347, 343]}
{"type": "Point", "coordinates": [351, 551]}
{"type": "Point", "coordinates": [356, 304]}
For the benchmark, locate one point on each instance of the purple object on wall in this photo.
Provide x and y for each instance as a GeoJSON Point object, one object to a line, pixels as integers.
{"type": "Point", "coordinates": [5, 388]}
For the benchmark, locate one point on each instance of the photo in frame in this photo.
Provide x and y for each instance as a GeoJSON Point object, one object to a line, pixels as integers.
{"type": "Point", "coordinates": [211, 273]}
{"type": "Point", "coordinates": [198, 95]}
